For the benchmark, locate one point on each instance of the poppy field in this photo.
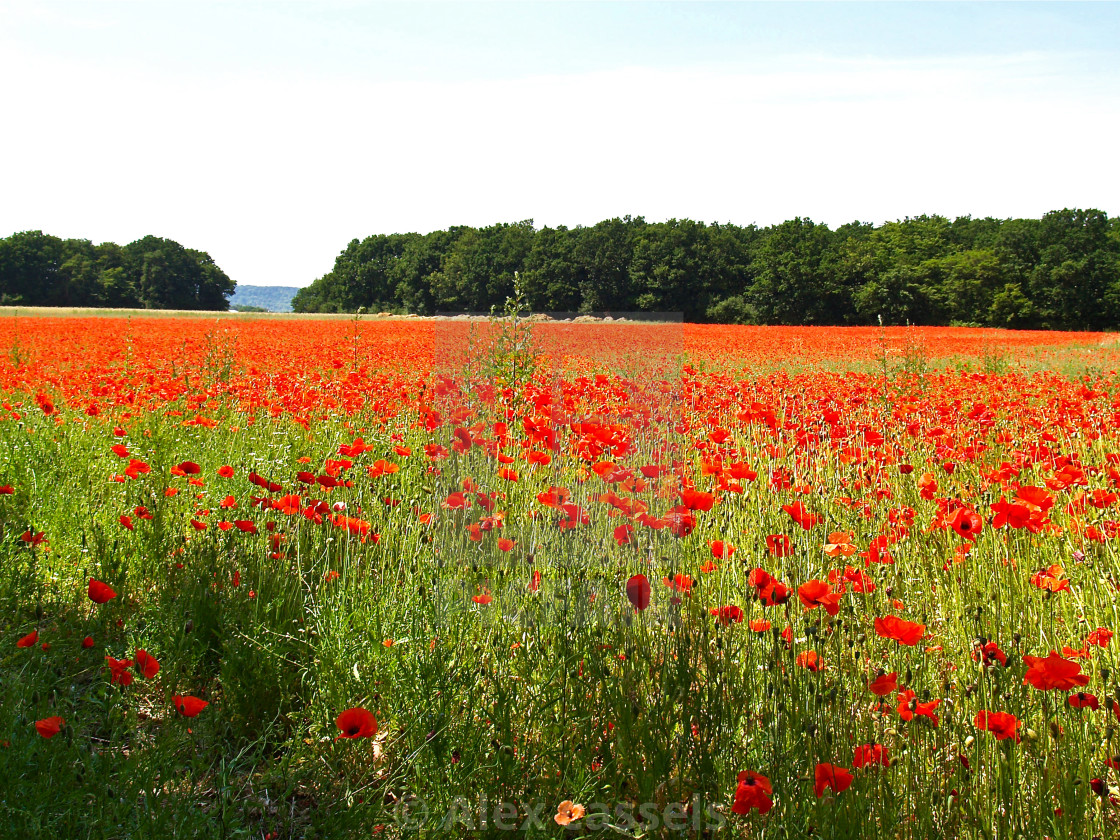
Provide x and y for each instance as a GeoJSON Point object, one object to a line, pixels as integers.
{"type": "Point", "coordinates": [280, 578]}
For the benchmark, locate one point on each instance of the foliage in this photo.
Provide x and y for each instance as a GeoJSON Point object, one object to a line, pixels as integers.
{"type": "Point", "coordinates": [1058, 272]}
{"type": "Point", "coordinates": [37, 269]}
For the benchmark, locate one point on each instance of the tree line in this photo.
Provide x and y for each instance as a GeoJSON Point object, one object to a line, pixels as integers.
{"type": "Point", "coordinates": [37, 269]}
{"type": "Point", "coordinates": [1058, 272]}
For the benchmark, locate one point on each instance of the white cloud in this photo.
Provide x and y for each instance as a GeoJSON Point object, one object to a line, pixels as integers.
{"type": "Point", "coordinates": [274, 175]}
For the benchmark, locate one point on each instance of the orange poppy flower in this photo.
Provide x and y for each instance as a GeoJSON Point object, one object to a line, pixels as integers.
{"type": "Point", "coordinates": [568, 812]}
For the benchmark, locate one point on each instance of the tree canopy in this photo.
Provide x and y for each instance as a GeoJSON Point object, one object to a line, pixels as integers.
{"type": "Point", "coordinates": [1058, 272]}
{"type": "Point", "coordinates": [37, 269]}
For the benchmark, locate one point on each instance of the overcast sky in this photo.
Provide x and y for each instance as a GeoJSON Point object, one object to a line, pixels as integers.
{"type": "Point", "coordinates": [271, 134]}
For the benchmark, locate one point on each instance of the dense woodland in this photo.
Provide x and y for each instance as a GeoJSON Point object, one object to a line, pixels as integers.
{"type": "Point", "coordinates": [37, 269]}
{"type": "Point", "coordinates": [1060, 272]}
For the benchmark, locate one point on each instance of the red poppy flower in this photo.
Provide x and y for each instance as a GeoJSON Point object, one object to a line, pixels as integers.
{"type": "Point", "coordinates": [225, 471]}
{"type": "Point", "coordinates": [902, 631]}
{"type": "Point", "coordinates": [49, 727]}
{"type": "Point", "coordinates": [779, 545]}
{"type": "Point", "coordinates": [721, 548]}
{"type": "Point", "coordinates": [146, 664]}
{"type": "Point", "coordinates": [817, 593]}
{"type": "Point", "coordinates": [1100, 637]}
{"type": "Point", "coordinates": [118, 670]}
{"type": "Point", "coordinates": [801, 515]}
{"type": "Point", "coordinates": [356, 723]}
{"type": "Point", "coordinates": [697, 499]}
{"type": "Point", "coordinates": [679, 583]}
{"type": "Point", "coordinates": [624, 534]}
{"type": "Point", "coordinates": [637, 591]}
{"type": "Point", "coordinates": [769, 590]}
{"type": "Point", "coordinates": [100, 592]}
{"type": "Point", "coordinates": [990, 652]}
{"type": "Point", "coordinates": [1081, 700]}
{"type": "Point", "coordinates": [909, 706]}
{"type": "Point", "coordinates": [87, 642]}
{"type": "Point", "coordinates": [809, 661]}
{"type": "Point", "coordinates": [884, 684]}
{"type": "Point", "coordinates": [1053, 673]}
{"type": "Point", "coordinates": [753, 792]}
{"type": "Point", "coordinates": [831, 776]}
{"type": "Point", "coordinates": [869, 754]}
{"type": "Point", "coordinates": [728, 614]}
{"type": "Point", "coordinates": [1000, 724]}
{"type": "Point", "coordinates": [29, 640]}
{"type": "Point", "coordinates": [759, 625]}
{"type": "Point", "coordinates": [187, 705]}
{"type": "Point", "coordinates": [967, 523]}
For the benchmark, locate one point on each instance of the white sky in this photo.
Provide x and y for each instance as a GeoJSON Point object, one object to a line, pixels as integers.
{"type": "Point", "coordinates": [271, 134]}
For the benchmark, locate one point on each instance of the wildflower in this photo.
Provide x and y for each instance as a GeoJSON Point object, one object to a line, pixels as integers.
{"type": "Point", "coordinates": [909, 706]}
{"type": "Point", "coordinates": [801, 515]}
{"type": "Point", "coordinates": [118, 671]}
{"type": "Point", "coordinates": [1081, 700]}
{"type": "Point", "coordinates": [356, 723]}
{"type": "Point", "coordinates": [869, 754]}
{"type": "Point", "coordinates": [728, 614]}
{"type": "Point", "coordinates": [679, 583]}
{"type": "Point", "coordinates": [884, 684]}
{"type": "Point", "coordinates": [809, 661]}
{"type": "Point", "coordinates": [905, 632]}
{"type": "Point", "coordinates": [967, 523]}
{"type": "Point", "coordinates": [29, 640]}
{"type": "Point", "coordinates": [754, 792]}
{"type": "Point", "coordinates": [831, 776]}
{"type": "Point", "coordinates": [49, 727]}
{"type": "Point", "coordinates": [817, 593]}
{"type": "Point", "coordinates": [568, 812]}
{"type": "Point", "coordinates": [1000, 724]}
{"type": "Point", "coordinates": [187, 705]}
{"type": "Point", "coordinates": [100, 592]}
{"type": "Point", "coordinates": [1053, 673]}
{"type": "Point", "coordinates": [1050, 579]}
{"type": "Point", "coordinates": [146, 664]}
{"type": "Point", "coordinates": [637, 591]}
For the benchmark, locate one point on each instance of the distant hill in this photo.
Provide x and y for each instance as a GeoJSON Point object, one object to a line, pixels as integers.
{"type": "Point", "coordinates": [271, 298]}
